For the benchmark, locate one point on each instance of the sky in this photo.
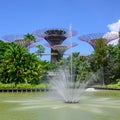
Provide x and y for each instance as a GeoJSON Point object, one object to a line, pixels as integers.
{"type": "Point", "coordinates": [85, 16]}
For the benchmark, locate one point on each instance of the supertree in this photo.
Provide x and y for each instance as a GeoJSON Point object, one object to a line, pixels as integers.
{"type": "Point", "coordinates": [60, 49]}
{"type": "Point", "coordinates": [91, 38]}
{"type": "Point", "coordinates": [55, 37]}
{"type": "Point", "coordinates": [18, 39]}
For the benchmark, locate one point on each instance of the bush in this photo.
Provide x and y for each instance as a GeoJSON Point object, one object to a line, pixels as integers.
{"type": "Point", "coordinates": [24, 86]}
{"type": "Point", "coordinates": [42, 86]}
{"type": "Point", "coordinates": [118, 82]}
{"type": "Point", "coordinates": [7, 86]}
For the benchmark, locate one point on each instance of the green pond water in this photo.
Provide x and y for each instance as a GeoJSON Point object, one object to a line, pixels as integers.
{"type": "Point", "coordinates": [97, 105]}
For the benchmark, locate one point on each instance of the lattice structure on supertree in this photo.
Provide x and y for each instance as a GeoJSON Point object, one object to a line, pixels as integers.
{"type": "Point", "coordinates": [55, 37]}
{"type": "Point", "coordinates": [19, 40]}
{"type": "Point", "coordinates": [61, 48]}
{"type": "Point", "coordinates": [91, 38]}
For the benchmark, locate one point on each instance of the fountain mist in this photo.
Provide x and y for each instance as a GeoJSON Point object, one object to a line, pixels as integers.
{"type": "Point", "coordinates": [65, 82]}
{"type": "Point", "coordinates": [62, 81]}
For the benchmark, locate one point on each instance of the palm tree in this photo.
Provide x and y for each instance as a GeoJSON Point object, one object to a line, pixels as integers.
{"type": "Point", "coordinates": [29, 38]}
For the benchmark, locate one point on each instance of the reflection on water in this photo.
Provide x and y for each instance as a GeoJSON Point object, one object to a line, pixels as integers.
{"type": "Point", "coordinates": [96, 105]}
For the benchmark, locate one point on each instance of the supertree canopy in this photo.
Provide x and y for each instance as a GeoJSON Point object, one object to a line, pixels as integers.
{"type": "Point", "coordinates": [11, 38]}
{"type": "Point", "coordinates": [91, 38]}
{"type": "Point", "coordinates": [18, 39]}
{"type": "Point", "coordinates": [109, 36]}
{"type": "Point", "coordinates": [55, 37]}
{"type": "Point", "coordinates": [60, 49]}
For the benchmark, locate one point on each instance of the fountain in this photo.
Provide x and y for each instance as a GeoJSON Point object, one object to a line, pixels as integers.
{"type": "Point", "coordinates": [65, 83]}
{"type": "Point", "coordinates": [69, 88]}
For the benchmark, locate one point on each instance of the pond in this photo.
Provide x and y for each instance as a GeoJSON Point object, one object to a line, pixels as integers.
{"type": "Point", "coordinates": [95, 105]}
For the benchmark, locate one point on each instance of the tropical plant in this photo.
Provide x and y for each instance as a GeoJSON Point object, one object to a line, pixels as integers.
{"type": "Point", "coordinates": [111, 68]}
{"type": "Point", "coordinates": [29, 38]}
{"type": "Point", "coordinates": [3, 47]}
{"type": "Point", "coordinates": [19, 66]}
{"type": "Point", "coordinates": [80, 66]}
{"type": "Point", "coordinates": [40, 50]}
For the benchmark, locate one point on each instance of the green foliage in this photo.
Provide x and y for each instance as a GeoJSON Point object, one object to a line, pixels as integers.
{"type": "Point", "coordinates": [40, 50]}
{"type": "Point", "coordinates": [113, 86]}
{"type": "Point", "coordinates": [23, 86]}
{"type": "Point", "coordinates": [42, 86]}
{"type": "Point", "coordinates": [118, 56]}
{"type": "Point", "coordinates": [19, 66]}
{"type": "Point", "coordinates": [118, 82]}
{"type": "Point", "coordinates": [7, 86]}
{"type": "Point", "coordinates": [111, 68]}
{"type": "Point", "coordinates": [80, 66]}
{"type": "Point", "coordinates": [100, 54]}
{"type": "Point", "coordinates": [29, 38]}
{"type": "Point", "coordinates": [3, 47]}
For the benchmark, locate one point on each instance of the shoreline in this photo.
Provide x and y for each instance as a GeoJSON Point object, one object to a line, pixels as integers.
{"type": "Point", "coordinates": [45, 90]}
{"type": "Point", "coordinates": [106, 88]}
{"type": "Point", "coordinates": [24, 90]}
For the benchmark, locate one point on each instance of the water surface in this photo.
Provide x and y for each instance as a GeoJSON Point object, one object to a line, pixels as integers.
{"type": "Point", "coordinates": [97, 105]}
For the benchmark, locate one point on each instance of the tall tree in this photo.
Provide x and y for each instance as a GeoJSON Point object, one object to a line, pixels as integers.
{"type": "Point", "coordinates": [118, 56]}
{"type": "Point", "coordinates": [111, 69]}
{"type": "Point", "coordinates": [100, 56]}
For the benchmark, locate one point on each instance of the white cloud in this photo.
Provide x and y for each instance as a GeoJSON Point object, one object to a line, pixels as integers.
{"type": "Point", "coordinates": [114, 28]}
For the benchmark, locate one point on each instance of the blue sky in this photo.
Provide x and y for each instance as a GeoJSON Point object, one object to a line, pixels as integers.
{"type": "Point", "coordinates": [86, 16]}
